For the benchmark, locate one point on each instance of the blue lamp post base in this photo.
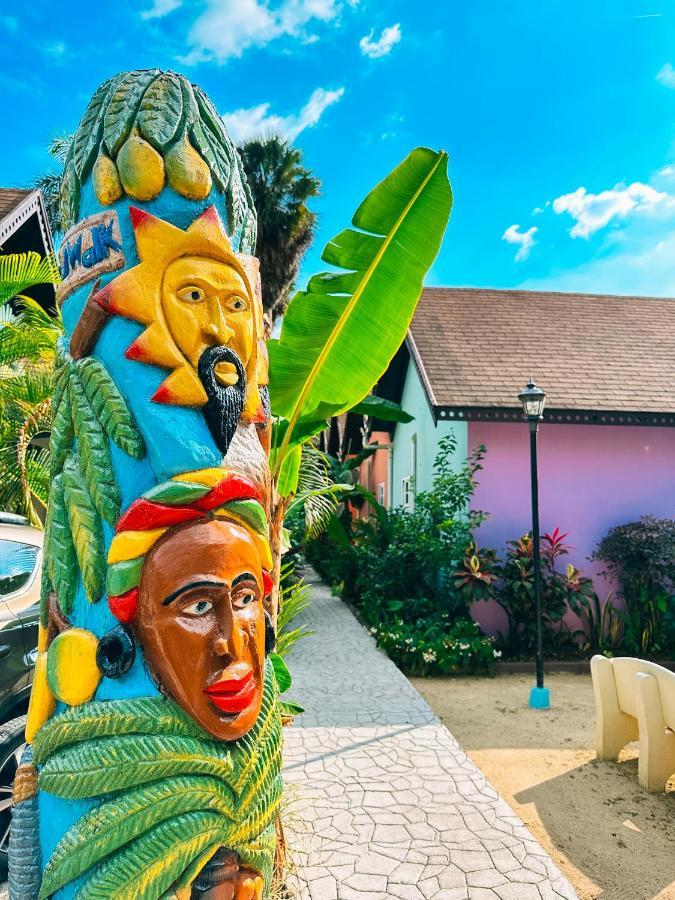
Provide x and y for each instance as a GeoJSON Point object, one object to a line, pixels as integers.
{"type": "Point", "coordinates": [540, 698]}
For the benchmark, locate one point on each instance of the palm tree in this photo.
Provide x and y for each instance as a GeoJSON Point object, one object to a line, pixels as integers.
{"type": "Point", "coordinates": [27, 347]}
{"type": "Point", "coordinates": [281, 187]}
{"type": "Point", "coordinates": [50, 183]}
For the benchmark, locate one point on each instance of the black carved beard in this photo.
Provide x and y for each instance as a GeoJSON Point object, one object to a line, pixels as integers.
{"type": "Point", "coordinates": [225, 403]}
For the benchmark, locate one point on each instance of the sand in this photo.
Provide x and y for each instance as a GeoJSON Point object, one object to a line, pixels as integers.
{"type": "Point", "coordinates": [611, 838]}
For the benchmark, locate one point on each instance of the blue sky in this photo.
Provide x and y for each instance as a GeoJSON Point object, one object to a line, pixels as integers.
{"type": "Point", "coordinates": [558, 115]}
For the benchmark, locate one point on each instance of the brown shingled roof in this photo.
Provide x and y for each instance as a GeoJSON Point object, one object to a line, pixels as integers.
{"type": "Point", "coordinates": [478, 348]}
{"type": "Point", "coordinates": [10, 198]}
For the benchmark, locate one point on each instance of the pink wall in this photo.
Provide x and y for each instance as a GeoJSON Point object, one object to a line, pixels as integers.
{"type": "Point", "coordinates": [590, 478]}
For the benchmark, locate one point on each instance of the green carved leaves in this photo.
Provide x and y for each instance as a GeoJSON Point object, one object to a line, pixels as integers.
{"type": "Point", "coordinates": [145, 715]}
{"type": "Point", "coordinates": [164, 109]}
{"type": "Point", "coordinates": [88, 136]}
{"type": "Point", "coordinates": [92, 446]}
{"type": "Point", "coordinates": [161, 112]}
{"type": "Point", "coordinates": [153, 862]}
{"type": "Point", "coordinates": [170, 795]}
{"type": "Point", "coordinates": [116, 763]}
{"type": "Point", "coordinates": [85, 528]}
{"type": "Point", "coordinates": [88, 407]}
{"type": "Point", "coordinates": [60, 550]}
{"type": "Point", "coordinates": [117, 822]}
{"type": "Point", "coordinates": [110, 407]}
{"type": "Point", "coordinates": [123, 106]}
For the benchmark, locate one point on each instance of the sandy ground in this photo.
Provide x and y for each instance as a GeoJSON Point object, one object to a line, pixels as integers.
{"type": "Point", "coordinates": [610, 837]}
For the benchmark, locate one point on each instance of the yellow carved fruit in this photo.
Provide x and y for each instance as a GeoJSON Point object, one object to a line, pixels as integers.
{"type": "Point", "coordinates": [187, 172]}
{"type": "Point", "coordinates": [72, 673]}
{"type": "Point", "coordinates": [106, 180]}
{"type": "Point", "coordinates": [42, 701]}
{"type": "Point", "coordinates": [141, 168]}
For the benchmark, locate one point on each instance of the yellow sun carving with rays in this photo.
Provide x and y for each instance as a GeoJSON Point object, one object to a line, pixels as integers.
{"type": "Point", "coordinates": [191, 291]}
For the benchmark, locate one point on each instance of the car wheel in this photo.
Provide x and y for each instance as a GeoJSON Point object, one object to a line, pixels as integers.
{"type": "Point", "coordinates": [12, 744]}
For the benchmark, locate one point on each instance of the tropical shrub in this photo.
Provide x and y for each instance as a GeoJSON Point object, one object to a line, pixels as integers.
{"type": "Point", "coordinates": [482, 576]}
{"type": "Point", "coordinates": [640, 557]}
{"type": "Point", "coordinates": [440, 647]}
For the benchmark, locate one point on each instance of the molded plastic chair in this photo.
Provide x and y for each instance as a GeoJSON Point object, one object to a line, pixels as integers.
{"type": "Point", "coordinates": [635, 700]}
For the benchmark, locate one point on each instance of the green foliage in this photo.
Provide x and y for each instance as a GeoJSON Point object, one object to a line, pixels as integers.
{"type": "Point", "coordinates": [339, 335]}
{"type": "Point", "coordinates": [398, 568]}
{"type": "Point", "coordinates": [294, 599]}
{"type": "Point", "coordinates": [281, 187]}
{"type": "Point", "coordinates": [379, 408]}
{"type": "Point", "coordinates": [640, 557]}
{"type": "Point", "coordinates": [281, 673]}
{"type": "Point", "coordinates": [561, 591]}
{"type": "Point", "coordinates": [19, 271]}
{"type": "Point", "coordinates": [27, 341]}
{"type": "Point", "coordinates": [317, 494]}
{"type": "Point", "coordinates": [437, 647]}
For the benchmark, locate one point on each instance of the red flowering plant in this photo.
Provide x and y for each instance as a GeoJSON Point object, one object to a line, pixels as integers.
{"type": "Point", "coordinates": [477, 574]}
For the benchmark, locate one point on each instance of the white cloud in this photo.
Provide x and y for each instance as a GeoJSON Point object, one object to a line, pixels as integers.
{"type": "Point", "coordinates": [666, 75]}
{"type": "Point", "coordinates": [228, 27]}
{"type": "Point", "coordinates": [243, 124]}
{"type": "Point", "coordinates": [594, 211]}
{"type": "Point", "coordinates": [383, 45]}
{"type": "Point", "coordinates": [55, 49]}
{"type": "Point", "coordinates": [642, 265]}
{"type": "Point", "coordinates": [160, 8]}
{"type": "Point", "coordinates": [524, 240]}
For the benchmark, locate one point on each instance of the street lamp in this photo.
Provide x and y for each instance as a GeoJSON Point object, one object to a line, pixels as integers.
{"type": "Point", "coordinates": [533, 399]}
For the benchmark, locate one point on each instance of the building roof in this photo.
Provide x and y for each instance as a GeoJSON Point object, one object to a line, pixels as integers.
{"type": "Point", "coordinates": [24, 226]}
{"type": "Point", "coordinates": [475, 349]}
{"type": "Point", "coordinates": [10, 198]}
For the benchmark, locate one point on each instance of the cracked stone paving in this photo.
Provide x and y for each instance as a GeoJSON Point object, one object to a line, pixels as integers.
{"type": "Point", "coordinates": [382, 801]}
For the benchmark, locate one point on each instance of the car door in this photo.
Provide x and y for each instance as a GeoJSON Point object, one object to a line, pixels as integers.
{"type": "Point", "coordinates": [19, 593]}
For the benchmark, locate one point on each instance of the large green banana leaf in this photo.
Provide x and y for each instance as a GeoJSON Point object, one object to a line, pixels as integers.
{"type": "Point", "coordinates": [339, 336]}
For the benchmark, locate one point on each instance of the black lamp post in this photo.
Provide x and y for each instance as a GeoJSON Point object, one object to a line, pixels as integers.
{"type": "Point", "coordinates": [533, 399]}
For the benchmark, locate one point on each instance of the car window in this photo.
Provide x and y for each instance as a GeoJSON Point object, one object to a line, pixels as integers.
{"type": "Point", "coordinates": [17, 564]}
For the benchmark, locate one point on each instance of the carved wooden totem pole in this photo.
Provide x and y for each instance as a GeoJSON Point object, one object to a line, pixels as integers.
{"type": "Point", "coordinates": [155, 737]}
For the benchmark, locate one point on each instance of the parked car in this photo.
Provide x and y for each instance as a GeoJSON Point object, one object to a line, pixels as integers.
{"type": "Point", "coordinates": [20, 566]}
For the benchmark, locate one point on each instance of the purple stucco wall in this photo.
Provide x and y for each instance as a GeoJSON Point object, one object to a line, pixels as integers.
{"type": "Point", "coordinates": [590, 478]}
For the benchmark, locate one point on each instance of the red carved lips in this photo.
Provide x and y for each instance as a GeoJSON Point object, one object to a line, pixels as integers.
{"type": "Point", "coordinates": [232, 695]}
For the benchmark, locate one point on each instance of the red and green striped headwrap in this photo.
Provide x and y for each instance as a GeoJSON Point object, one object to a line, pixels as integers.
{"type": "Point", "coordinates": [184, 498]}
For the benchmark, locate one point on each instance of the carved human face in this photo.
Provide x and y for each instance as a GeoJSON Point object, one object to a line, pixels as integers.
{"type": "Point", "coordinates": [202, 625]}
{"type": "Point", "coordinates": [206, 304]}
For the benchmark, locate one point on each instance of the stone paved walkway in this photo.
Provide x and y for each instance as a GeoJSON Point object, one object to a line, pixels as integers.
{"type": "Point", "coordinates": [383, 801]}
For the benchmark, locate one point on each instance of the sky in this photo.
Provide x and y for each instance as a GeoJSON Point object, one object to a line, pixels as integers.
{"type": "Point", "coordinates": [558, 115]}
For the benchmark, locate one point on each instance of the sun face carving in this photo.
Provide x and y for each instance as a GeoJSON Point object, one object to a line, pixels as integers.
{"type": "Point", "coordinates": [193, 293]}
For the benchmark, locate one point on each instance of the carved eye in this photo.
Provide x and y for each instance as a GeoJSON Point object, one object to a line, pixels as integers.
{"type": "Point", "coordinates": [244, 599]}
{"type": "Point", "coordinates": [191, 294]}
{"type": "Point", "coordinates": [198, 608]}
{"type": "Point", "coordinates": [236, 303]}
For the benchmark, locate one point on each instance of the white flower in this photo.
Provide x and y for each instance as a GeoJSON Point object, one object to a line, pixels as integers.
{"type": "Point", "coordinates": [496, 653]}
{"type": "Point", "coordinates": [408, 640]}
{"type": "Point", "coordinates": [464, 646]}
{"type": "Point", "coordinates": [373, 630]}
{"type": "Point", "coordinates": [429, 656]}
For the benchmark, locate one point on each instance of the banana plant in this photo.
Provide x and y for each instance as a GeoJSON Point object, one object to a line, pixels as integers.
{"type": "Point", "coordinates": [340, 334]}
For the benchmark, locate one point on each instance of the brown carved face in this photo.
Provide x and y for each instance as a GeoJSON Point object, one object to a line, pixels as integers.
{"type": "Point", "coordinates": [202, 625]}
